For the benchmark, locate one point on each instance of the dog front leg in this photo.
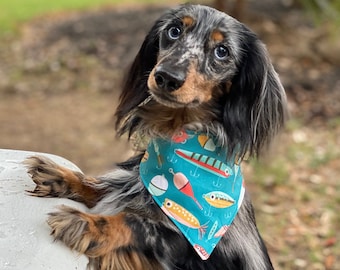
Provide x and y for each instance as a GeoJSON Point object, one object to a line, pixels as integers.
{"type": "Point", "coordinates": [53, 180]}
{"type": "Point", "coordinates": [108, 241]}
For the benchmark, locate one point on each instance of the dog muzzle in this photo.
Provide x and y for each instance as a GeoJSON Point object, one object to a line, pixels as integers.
{"type": "Point", "coordinates": [196, 185]}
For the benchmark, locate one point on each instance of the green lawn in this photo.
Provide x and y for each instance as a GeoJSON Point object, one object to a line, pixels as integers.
{"type": "Point", "coordinates": [13, 12]}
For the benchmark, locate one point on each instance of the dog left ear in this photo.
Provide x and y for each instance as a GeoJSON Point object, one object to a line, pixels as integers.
{"type": "Point", "coordinates": [255, 108]}
{"type": "Point", "coordinates": [135, 88]}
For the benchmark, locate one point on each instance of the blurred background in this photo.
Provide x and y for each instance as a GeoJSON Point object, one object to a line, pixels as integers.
{"type": "Point", "coordinates": [61, 68]}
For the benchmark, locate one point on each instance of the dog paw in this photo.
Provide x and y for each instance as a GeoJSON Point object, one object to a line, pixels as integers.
{"type": "Point", "coordinates": [48, 177]}
{"type": "Point", "coordinates": [70, 226]}
{"type": "Point", "coordinates": [93, 235]}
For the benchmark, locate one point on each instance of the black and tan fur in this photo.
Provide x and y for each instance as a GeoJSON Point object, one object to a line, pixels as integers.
{"type": "Point", "coordinates": [199, 69]}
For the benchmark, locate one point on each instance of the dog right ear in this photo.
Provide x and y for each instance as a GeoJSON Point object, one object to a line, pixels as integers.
{"type": "Point", "coordinates": [135, 88]}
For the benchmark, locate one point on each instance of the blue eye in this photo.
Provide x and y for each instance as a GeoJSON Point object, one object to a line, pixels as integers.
{"type": "Point", "coordinates": [221, 52]}
{"type": "Point", "coordinates": [174, 32]}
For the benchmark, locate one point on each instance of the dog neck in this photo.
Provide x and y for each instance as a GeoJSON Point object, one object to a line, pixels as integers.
{"type": "Point", "coordinates": [195, 182]}
{"type": "Point", "coordinates": [163, 121]}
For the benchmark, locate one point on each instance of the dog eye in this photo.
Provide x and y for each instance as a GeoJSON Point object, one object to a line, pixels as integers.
{"type": "Point", "coordinates": [221, 52]}
{"type": "Point", "coordinates": [174, 32]}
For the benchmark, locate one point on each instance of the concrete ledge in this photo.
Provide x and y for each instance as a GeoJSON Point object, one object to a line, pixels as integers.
{"type": "Point", "coordinates": [25, 241]}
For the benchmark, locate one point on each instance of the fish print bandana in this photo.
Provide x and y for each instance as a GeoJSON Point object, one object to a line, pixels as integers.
{"type": "Point", "coordinates": [196, 186]}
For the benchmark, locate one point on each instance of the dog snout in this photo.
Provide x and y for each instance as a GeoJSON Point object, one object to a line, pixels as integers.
{"type": "Point", "coordinates": [169, 79]}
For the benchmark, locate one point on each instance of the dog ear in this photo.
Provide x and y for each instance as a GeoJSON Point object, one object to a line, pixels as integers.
{"type": "Point", "coordinates": [135, 88]}
{"type": "Point", "coordinates": [255, 108]}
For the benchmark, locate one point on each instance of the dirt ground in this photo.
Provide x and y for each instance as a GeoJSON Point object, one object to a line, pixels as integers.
{"type": "Point", "coordinates": [60, 80]}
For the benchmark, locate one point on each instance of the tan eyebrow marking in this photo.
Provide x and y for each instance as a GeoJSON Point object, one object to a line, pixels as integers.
{"type": "Point", "coordinates": [188, 21]}
{"type": "Point", "coordinates": [217, 36]}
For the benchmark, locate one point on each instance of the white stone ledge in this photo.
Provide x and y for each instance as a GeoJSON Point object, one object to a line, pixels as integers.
{"type": "Point", "coordinates": [25, 240]}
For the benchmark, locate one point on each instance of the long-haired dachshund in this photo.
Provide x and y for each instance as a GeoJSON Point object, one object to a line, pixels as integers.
{"type": "Point", "coordinates": [200, 76]}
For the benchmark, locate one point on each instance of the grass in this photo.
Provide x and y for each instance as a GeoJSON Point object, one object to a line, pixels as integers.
{"type": "Point", "coordinates": [304, 178]}
{"type": "Point", "coordinates": [14, 12]}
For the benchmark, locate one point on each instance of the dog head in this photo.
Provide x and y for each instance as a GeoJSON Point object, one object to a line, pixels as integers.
{"type": "Point", "coordinates": [196, 55]}
{"type": "Point", "coordinates": [201, 66]}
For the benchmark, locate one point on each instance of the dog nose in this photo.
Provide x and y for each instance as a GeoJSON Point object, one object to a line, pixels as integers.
{"type": "Point", "coordinates": [169, 80]}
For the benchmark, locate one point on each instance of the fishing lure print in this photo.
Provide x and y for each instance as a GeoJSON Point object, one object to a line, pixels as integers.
{"type": "Point", "coordinates": [180, 137]}
{"type": "Point", "coordinates": [213, 230]}
{"type": "Point", "coordinates": [221, 231]}
{"type": "Point", "coordinates": [196, 184]}
{"type": "Point", "coordinates": [183, 185]}
{"type": "Point", "coordinates": [158, 185]}
{"type": "Point", "coordinates": [159, 156]}
{"type": "Point", "coordinates": [183, 216]}
{"type": "Point", "coordinates": [201, 252]}
{"type": "Point", "coordinates": [219, 199]}
{"type": "Point", "coordinates": [145, 157]}
{"type": "Point", "coordinates": [207, 163]}
{"type": "Point", "coordinates": [206, 142]}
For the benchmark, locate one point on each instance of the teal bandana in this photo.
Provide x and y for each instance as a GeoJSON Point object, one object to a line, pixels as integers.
{"type": "Point", "coordinates": [194, 183]}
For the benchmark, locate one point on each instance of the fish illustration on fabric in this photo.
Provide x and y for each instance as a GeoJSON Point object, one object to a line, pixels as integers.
{"type": "Point", "coordinates": [183, 185]}
{"type": "Point", "coordinates": [206, 142]}
{"type": "Point", "coordinates": [158, 185]}
{"type": "Point", "coordinates": [207, 163]}
{"type": "Point", "coordinates": [201, 252]}
{"type": "Point", "coordinates": [183, 216]}
{"type": "Point", "coordinates": [219, 199]}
